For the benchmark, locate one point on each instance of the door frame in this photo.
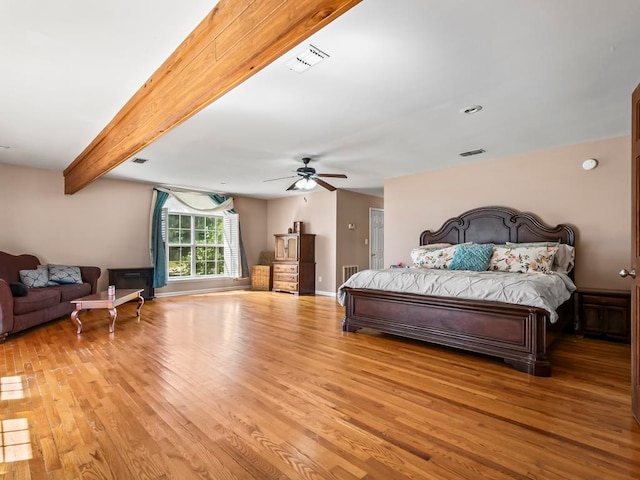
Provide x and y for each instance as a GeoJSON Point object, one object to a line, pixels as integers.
{"type": "Point", "coordinates": [635, 253]}
{"type": "Point", "coordinates": [371, 210]}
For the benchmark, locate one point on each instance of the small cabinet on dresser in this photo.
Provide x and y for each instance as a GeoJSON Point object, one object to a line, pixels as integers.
{"type": "Point", "coordinates": [294, 268]}
{"type": "Point", "coordinates": [604, 313]}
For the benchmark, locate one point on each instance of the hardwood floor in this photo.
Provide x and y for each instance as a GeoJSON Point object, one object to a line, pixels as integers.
{"type": "Point", "coordinates": [262, 385]}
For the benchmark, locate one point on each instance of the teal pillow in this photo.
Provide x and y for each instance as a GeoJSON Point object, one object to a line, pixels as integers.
{"type": "Point", "coordinates": [473, 257]}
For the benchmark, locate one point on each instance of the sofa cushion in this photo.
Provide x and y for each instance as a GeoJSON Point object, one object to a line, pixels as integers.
{"type": "Point", "coordinates": [72, 292]}
{"type": "Point", "coordinates": [37, 299]}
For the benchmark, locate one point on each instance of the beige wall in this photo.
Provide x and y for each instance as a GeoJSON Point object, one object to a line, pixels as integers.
{"type": "Point", "coordinates": [352, 245]}
{"type": "Point", "coordinates": [549, 183]}
{"type": "Point", "coordinates": [318, 212]}
{"type": "Point", "coordinates": [105, 224]}
{"type": "Point", "coordinates": [327, 214]}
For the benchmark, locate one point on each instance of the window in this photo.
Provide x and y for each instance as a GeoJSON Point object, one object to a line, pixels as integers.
{"type": "Point", "coordinates": [200, 244]}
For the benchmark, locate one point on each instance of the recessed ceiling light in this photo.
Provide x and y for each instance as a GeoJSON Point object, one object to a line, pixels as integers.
{"type": "Point", "coordinates": [139, 160]}
{"type": "Point", "coordinates": [306, 59]}
{"type": "Point", "coordinates": [471, 109]}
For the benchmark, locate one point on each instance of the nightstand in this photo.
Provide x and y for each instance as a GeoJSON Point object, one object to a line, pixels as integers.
{"type": "Point", "coordinates": [604, 313]}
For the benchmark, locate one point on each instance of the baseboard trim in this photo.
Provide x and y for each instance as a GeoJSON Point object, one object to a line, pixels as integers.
{"type": "Point", "coordinates": [204, 290]}
{"type": "Point", "coordinates": [226, 289]}
{"type": "Point", "coordinates": [325, 294]}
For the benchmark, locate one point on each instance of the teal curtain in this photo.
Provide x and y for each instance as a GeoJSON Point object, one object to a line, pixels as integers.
{"type": "Point", "coordinates": [218, 199]}
{"type": "Point", "coordinates": [158, 248]}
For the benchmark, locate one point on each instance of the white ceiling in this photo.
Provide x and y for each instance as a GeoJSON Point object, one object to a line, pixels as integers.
{"type": "Point", "coordinates": [386, 103]}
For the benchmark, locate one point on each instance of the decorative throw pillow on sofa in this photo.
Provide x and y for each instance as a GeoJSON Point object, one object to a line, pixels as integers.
{"type": "Point", "coordinates": [35, 278]}
{"type": "Point", "coordinates": [473, 257]}
{"type": "Point", "coordinates": [64, 274]}
{"type": "Point", "coordinates": [18, 289]}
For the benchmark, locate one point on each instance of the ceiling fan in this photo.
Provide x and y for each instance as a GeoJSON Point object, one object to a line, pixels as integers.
{"type": "Point", "coordinates": [308, 178]}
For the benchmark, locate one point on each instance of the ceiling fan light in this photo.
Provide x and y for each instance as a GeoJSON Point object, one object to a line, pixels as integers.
{"type": "Point", "coordinates": [305, 184]}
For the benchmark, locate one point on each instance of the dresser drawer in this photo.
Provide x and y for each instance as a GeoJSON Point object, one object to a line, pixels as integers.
{"type": "Point", "coordinates": [288, 286]}
{"type": "Point", "coordinates": [286, 277]}
{"type": "Point", "coordinates": [285, 268]}
{"type": "Point", "coordinates": [605, 300]}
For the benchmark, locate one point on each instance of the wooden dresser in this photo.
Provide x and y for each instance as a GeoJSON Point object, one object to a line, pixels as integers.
{"type": "Point", "coordinates": [294, 268]}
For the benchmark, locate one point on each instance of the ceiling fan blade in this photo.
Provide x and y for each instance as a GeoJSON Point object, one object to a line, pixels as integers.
{"type": "Point", "coordinates": [324, 184]}
{"type": "Point", "coordinates": [280, 178]}
{"type": "Point", "coordinates": [293, 186]}
{"type": "Point", "coordinates": [332, 175]}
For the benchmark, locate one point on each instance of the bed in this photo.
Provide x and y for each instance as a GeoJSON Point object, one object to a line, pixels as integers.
{"type": "Point", "coordinates": [519, 334]}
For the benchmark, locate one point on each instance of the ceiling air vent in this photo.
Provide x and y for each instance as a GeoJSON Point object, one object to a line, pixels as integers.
{"type": "Point", "coordinates": [306, 59]}
{"type": "Point", "coordinates": [139, 160]}
{"type": "Point", "coordinates": [473, 152]}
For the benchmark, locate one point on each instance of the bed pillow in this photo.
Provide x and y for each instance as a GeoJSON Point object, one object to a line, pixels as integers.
{"type": "Point", "coordinates": [473, 257]}
{"type": "Point", "coordinates": [417, 254]}
{"type": "Point", "coordinates": [64, 275]}
{"type": "Point", "coordinates": [35, 278]}
{"type": "Point", "coordinates": [564, 260]}
{"type": "Point", "coordinates": [523, 259]}
{"type": "Point", "coordinates": [440, 258]}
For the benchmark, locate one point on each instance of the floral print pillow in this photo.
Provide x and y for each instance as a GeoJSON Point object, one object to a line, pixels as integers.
{"type": "Point", "coordinates": [523, 259]}
{"type": "Point", "coordinates": [564, 260]}
{"type": "Point", "coordinates": [417, 254]}
{"type": "Point", "coordinates": [440, 258]}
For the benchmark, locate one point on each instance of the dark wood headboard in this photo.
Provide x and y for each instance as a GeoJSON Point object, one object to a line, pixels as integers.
{"type": "Point", "coordinates": [497, 225]}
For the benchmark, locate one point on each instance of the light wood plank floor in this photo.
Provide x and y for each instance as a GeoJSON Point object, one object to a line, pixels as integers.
{"type": "Point", "coordinates": [261, 385]}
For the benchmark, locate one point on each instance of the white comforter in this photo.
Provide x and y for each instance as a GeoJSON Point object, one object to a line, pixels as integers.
{"type": "Point", "coordinates": [547, 291]}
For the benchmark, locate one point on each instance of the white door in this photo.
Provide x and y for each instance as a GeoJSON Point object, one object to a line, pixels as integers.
{"type": "Point", "coordinates": [635, 255]}
{"type": "Point", "coordinates": [376, 238]}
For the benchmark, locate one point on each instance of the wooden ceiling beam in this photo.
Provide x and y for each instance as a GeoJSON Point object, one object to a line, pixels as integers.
{"type": "Point", "coordinates": [236, 40]}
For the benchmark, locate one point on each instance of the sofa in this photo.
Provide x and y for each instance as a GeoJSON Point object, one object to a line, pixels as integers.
{"type": "Point", "coordinates": [22, 307]}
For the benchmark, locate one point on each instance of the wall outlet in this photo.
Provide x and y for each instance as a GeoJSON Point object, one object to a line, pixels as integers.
{"type": "Point", "coordinates": [319, 279]}
{"type": "Point", "coordinates": [366, 241]}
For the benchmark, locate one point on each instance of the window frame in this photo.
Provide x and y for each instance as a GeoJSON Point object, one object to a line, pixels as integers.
{"type": "Point", "coordinates": [193, 245]}
{"type": "Point", "coordinates": [230, 246]}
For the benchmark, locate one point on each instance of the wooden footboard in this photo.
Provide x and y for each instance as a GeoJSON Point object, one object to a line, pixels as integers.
{"type": "Point", "coordinates": [514, 333]}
